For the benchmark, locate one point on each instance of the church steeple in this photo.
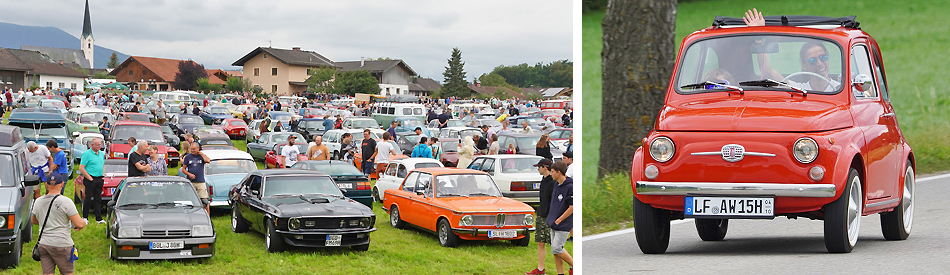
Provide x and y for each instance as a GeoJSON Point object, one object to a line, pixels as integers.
{"type": "Point", "coordinates": [86, 24]}
{"type": "Point", "coordinates": [86, 40]}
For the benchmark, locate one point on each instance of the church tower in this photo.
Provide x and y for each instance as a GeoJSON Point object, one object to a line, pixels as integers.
{"type": "Point", "coordinates": [86, 41]}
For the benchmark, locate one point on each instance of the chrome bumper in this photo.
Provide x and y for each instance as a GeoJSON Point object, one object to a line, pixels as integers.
{"type": "Point", "coordinates": [734, 188]}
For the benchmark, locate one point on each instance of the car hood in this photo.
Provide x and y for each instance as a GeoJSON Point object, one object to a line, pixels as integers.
{"type": "Point", "coordinates": [754, 114]}
{"type": "Point", "coordinates": [9, 195]}
{"type": "Point", "coordinates": [486, 204]}
{"type": "Point", "coordinates": [63, 144]}
{"type": "Point", "coordinates": [177, 218]}
{"type": "Point", "coordinates": [222, 183]}
{"type": "Point", "coordinates": [290, 206]}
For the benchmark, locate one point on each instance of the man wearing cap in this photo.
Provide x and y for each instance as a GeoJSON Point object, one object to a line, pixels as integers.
{"type": "Point", "coordinates": [60, 162]}
{"type": "Point", "coordinates": [419, 132]}
{"type": "Point", "coordinates": [58, 215]}
{"type": "Point", "coordinates": [569, 160]}
{"type": "Point", "coordinates": [289, 153]}
{"type": "Point", "coordinates": [90, 168]}
{"type": "Point", "coordinates": [542, 232]}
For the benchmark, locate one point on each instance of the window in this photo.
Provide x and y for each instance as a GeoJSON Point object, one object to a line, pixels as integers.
{"type": "Point", "coordinates": [273, 88]}
{"type": "Point", "coordinates": [425, 184]}
{"type": "Point", "coordinates": [257, 71]}
{"type": "Point", "coordinates": [62, 85]}
{"type": "Point", "coordinates": [410, 182]}
{"type": "Point", "coordinates": [476, 165]}
{"type": "Point", "coordinates": [49, 85]}
{"type": "Point", "coordinates": [265, 56]}
{"type": "Point", "coordinates": [407, 111]}
{"type": "Point", "coordinates": [489, 165]}
{"type": "Point", "coordinates": [391, 170]}
{"type": "Point", "coordinates": [401, 171]}
{"type": "Point", "coordinates": [273, 71]}
{"type": "Point", "coordinates": [72, 86]}
{"type": "Point", "coordinates": [397, 91]}
{"type": "Point", "coordinates": [861, 72]}
{"type": "Point", "coordinates": [308, 71]}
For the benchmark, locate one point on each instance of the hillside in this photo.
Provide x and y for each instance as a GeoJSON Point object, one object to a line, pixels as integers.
{"type": "Point", "coordinates": [13, 36]}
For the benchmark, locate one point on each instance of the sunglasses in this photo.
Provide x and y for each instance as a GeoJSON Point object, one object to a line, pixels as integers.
{"type": "Point", "coordinates": [814, 60]}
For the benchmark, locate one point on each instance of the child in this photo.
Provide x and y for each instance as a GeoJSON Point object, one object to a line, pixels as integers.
{"type": "Point", "coordinates": [511, 149]}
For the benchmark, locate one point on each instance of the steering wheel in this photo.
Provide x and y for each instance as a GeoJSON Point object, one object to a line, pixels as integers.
{"type": "Point", "coordinates": [807, 73]}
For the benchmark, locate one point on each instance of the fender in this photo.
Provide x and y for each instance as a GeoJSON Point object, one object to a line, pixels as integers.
{"type": "Point", "coordinates": [636, 168]}
{"type": "Point", "coordinates": [843, 165]}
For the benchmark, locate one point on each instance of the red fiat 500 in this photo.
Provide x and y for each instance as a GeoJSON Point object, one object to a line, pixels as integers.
{"type": "Point", "coordinates": [789, 119]}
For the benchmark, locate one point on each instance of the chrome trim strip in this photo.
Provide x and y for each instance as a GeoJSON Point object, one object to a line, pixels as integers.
{"type": "Point", "coordinates": [736, 188]}
{"type": "Point", "coordinates": [876, 204]}
{"type": "Point", "coordinates": [718, 153]}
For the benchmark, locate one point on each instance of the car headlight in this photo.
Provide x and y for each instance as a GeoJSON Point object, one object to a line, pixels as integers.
{"type": "Point", "coordinates": [293, 223]}
{"type": "Point", "coordinates": [202, 231]}
{"type": "Point", "coordinates": [662, 149]}
{"type": "Point", "coordinates": [3, 221]}
{"type": "Point", "coordinates": [805, 150]}
{"type": "Point", "coordinates": [466, 220]}
{"type": "Point", "coordinates": [118, 155]}
{"type": "Point", "coordinates": [366, 222]}
{"type": "Point", "coordinates": [528, 219]}
{"type": "Point", "coordinates": [130, 232]}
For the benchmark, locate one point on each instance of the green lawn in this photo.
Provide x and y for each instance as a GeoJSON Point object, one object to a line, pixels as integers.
{"type": "Point", "coordinates": [913, 39]}
{"type": "Point", "coordinates": [392, 251]}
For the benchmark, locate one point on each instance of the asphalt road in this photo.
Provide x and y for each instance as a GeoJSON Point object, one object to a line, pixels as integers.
{"type": "Point", "coordinates": [784, 246]}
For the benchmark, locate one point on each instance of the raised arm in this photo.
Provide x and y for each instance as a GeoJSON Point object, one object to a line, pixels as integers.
{"type": "Point", "coordinates": [754, 18]}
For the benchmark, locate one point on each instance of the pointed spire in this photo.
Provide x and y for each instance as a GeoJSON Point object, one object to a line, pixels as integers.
{"type": "Point", "coordinates": [86, 24]}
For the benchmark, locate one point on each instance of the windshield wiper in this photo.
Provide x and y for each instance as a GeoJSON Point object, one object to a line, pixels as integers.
{"type": "Point", "coordinates": [715, 87]}
{"type": "Point", "coordinates": [480, 194]}
{"type": "Point", "coordinates": [449, 195]}
{"type": "Point", "coordinates": [172, 204]}
{"type": "Point", "coordinates": [773, 83]}
{"type": "Point", "coordinates": [130, 205]}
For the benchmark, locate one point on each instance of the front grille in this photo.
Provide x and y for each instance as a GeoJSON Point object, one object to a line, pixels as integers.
{"type": "Point", "coordinates": [329, 223]}
{"type": "Point", "coordinates": [166, 233]}
{"type": "Point", "coordinates": [498, 220]}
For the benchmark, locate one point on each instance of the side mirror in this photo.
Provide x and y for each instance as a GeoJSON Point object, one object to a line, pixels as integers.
{"type": "Point", "coordinates": [343, 190]}
{"type": "Point", "coordinates": [255, 193]}
{"type": "Point", "coordinates": [862, 82]}
{"type": "Point", "coordinates": [31, 180]}
{"type": "Point", "coordinates": [111, 203]}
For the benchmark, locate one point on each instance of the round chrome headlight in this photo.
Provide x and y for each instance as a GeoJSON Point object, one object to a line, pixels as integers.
{"type": "Point", "coordinates": [805, 150]}
{"type": "Point", "coordinates": [466, 220]}
{"type": "Point", "coordinates": [365, 222]}
{"type": "Point", "coordinates": [3, 221]}
{"type": "Point", "coordinates": [528, 219]}
{"type": "Point", "coordinates": [662, 149]}
{"type": "Point", "coordinates": [294, 223]}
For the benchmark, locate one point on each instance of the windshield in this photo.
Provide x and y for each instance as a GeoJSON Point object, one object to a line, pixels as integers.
{"type": "Point", "coordinates": [54, 130]}
{"type": "Point", "coordinates": [53, 104]}
{"type": "Point", "coordinates": [312, 124]}
{"type": "Point", "coordinates": [519, 165]}
{"type": "Point", "coordinates": [364, 123]}
{"type": "Point", "coordinates": [219, 111]}
{"type": "Point", "coordinates": [152, 134]}
{"type": "Point", "coordinates": [528, 142]}
{"type": "Point", "coordinates": [803, 62]}
{"type": "Point", "coordinates": [469, 185]}
{"type": "Point", "coordinates": [228, 166]}
{"type": "Point", "coordinates": [282, 137]}
{"type": "Point", "coordinates": [413, 122]}
{"type": "Point", "coordinates": [158, 194]}
{"type": "Point", "coordinates": [338, 169]}
{"type": "Point", "coordinates": [136, 117]}
{"type": "Point", "coordinates": [490, 122]}
{"type": "Point", "coordinates": [450, 146]}
{"type": "Point", "coordinates": [277, 185]}
{"type": "Point", "coordinates": [190, 120]}
{"type": "Point", "coordinates": [94, 118]}
{"type": "Point", "coordinates": [167, 130]}
{"type": "Point", "coordinates": [281, 117]}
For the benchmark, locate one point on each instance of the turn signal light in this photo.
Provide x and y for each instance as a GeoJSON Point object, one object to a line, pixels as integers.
{"type": "Point", "coordinates": [10, 221]}
{"type": "Point", "coordinates": [204, 245]}
{"type": "Point", "coordinates": [126, 247]}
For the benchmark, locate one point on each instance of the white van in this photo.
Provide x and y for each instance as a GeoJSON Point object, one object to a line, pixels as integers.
{"type": "Point", "coordinates": [458, 109]}
{"type": "Point", "coordinates": [173, 97]}
{"type": "Point", "coordinates": [343, 102]}
{"type": "Point", "coordinates": [385, 112]}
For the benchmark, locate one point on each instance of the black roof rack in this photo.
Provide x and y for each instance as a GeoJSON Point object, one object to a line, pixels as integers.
{"type": "Point", "coordinates": [792, 20]}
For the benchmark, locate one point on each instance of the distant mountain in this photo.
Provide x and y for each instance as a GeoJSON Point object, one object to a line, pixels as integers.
{"type": "Point", "coordinates": [13, 36]}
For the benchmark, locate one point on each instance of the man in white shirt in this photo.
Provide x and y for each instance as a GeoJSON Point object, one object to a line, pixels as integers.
{"type": "Point", "coordinates": [383, 150]}
{"type": "Point", "coordinates": [40, 159]}
{"type": "Point", "coordinates": [569, 160]}
{"type": "Point", "coordinates": [289, 153]}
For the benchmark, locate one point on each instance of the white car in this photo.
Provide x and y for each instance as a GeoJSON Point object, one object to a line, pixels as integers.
{"type": "Point", "coordinates": [332, 139]}
{"type": "Point", "coordinates": [515, 175]}
{"type": "Point", "coordinates": [396, 173]}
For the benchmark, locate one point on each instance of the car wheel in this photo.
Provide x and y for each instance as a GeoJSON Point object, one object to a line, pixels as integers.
{"type": "Point", "coordinates": [27, 233]}
{"type": "Point", "coordinates": [653, 227]}
{"type": "Point", "coordinates": [364, 247]}
{"type": "Point", "coordinates": [238, 224]}
{"type": "Point", "coordinates": [897, 224]}
{"type": "Point", "coordinates": [843, 216]}
{"type": "Point", "coordinates": [273, 240]}
{"type": "Point", "coordinates": [111, 256]}
{"type": "Point", "coordinates": [376, 195]}
{"type": "Point", "coordinates": [523, 241]}
{"type": "Point", "coordinates": [394, 218]}
{"type": "Point", "coordinates": [13, 259]}
{"type": "Point", "coordinates": [447, 238]}
{"type": "Point", "coordinates": [712, 229]}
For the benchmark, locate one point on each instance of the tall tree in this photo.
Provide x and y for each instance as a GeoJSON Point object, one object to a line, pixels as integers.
{"type": "Point", "coordinates": [320, 80]}
{"type": "Point", "coordinates": [188, 74]}
{"type": "Point", "coordinates": [638, 60]}
{"type": "Point", "coordinates": [204, 85]}
{"type": "Point", "coordinates": [234, 84]}
{"type": "Point", "coordinates": [113, 61]}
{"type": "Point", "coordinates": [353, 82]}
{"type": "Point", "coordinates": [454, 83]}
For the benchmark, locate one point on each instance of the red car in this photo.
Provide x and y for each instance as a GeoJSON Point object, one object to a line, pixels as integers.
{"type": "Point", "coordinates": [312, 112]}
{"type": "Point", "coordinates": [113, 172]}
{"type": "Point", "coordinates": [235, 128]}
{"type": "Point", "coordinates": [272, 158]}
{"type": "Point", "coordinates": [450, 151]}
{"type": "Point", "coordinates": [118, 146]}
{"type": "Point", "coordinates": [791, 119]}
{"type": "Point", "coordinates": [127, 116]}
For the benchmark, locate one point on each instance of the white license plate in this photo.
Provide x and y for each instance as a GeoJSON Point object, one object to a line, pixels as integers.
{"type": "Point", "coordinates": [537, 185]}
{"type": "Point", "coordinates": [334, 240]}
{"type": "Point", "coordinates": [502, 233]}
{"type": "Point", "coordinates": [345, 185]}
{"type": "Point", "coordinates": [730, 206]}
{"type": "Point", "coordinates": [166, 245]}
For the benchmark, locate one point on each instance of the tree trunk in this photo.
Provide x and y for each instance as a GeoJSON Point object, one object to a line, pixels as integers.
{"type": "Point", "coordinates": [638, 58]}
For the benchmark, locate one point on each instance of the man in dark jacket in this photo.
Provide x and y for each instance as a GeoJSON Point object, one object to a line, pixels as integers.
{"type": "Point", "coordinates": [561, 215]}
{"type": "Point", "coordinates": [542, 233]}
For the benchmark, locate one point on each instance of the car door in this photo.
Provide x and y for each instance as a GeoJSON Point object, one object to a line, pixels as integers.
{"type": "Point", "coordinates": [253, 208]}
{"type": "Point", "coordinates": [879, 125]}
{"type": "Point", "coordinates": [476, 164]}
{"type": "Point", "coordinates": [892, 124]}
{"type": "Point", "coordinates": [429, 213]}
{"type": "Point", "coordinates": [414, 208]}
{"type": "Point", "coordinates": [388, 180]}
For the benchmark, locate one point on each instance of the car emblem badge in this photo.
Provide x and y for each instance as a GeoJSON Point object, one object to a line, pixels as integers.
{"type": "Point", "coordinates": [342, 223]}
{"type": "Point", "coordinates": [732, 152]}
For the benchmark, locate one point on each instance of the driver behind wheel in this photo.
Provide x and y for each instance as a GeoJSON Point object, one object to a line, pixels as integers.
{"type": "Point", "coordinates": [813, 56]}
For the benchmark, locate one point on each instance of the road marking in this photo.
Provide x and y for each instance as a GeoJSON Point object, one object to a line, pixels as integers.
{"type": "Point", "coordinates": [631, 230]}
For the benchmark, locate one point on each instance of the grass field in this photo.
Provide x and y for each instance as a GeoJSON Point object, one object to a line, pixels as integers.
{"type": "Point", "coordinates": [392, 251]}
{"type": "Point", "coordinates": [913, 36]}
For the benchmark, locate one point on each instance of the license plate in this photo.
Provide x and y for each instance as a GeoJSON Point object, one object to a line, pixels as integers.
{"type": "Point", "coordinates": [166, 245]}
{"type": "Point", "coordinates": [537, 185]}
{"type": "Point", "coordinates": [111, 190]}
{"type": "Point", "coordinates": [334, 240]}
{"type": "Point", "coordinates": [730, 207]}
{"type": "Point", "coordinates": [345, 185]}
{"type": "Point", "coordinates": [502, 233]}
{"type": "Point", "coordinates": [242, 132]}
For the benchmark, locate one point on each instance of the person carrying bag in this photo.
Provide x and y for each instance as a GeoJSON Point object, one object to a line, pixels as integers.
{"type": "Point", "coordinates": [57, 249]}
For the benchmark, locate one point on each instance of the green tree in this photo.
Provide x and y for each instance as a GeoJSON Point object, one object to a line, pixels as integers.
{"type": "Point", "coordinates": [204, 85]}
{"type": "Point", "coordinates": [353, 82]}
{"type": "Point", "coordinates": [320, 80]}
{"type": "Point", "coordinates": [82, 70]}
{"type": "Point", "coordinates": [492, 79]}
{"type": "Point", "coordinates": [113, 61]}
{"type": "Point", "coordinates": [234, 83]}
{"type": "Point", "coordinates": [455, 84]}
{"type": "Point", "coordinates": [36, 85]}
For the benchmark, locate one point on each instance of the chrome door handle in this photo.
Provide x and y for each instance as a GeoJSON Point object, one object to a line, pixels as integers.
{"type": "Point", "coordinates": [888, 115]}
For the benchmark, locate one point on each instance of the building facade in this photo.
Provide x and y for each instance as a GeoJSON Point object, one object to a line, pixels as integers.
{"type": "Point", "coordinates": [281, 71]}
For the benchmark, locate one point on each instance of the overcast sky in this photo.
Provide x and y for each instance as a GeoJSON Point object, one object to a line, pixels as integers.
{"type": "Point", "coordinates": [421, 32]}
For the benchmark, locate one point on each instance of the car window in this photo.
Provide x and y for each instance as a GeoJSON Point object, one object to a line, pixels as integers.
{"type": "Point", "coordinates": [466, 185]}
{"type": "Point", "coordinates": [401, 171]}
{"type": "Point", "coordinates": [172, 194]}
{"type": "Point", "coordinates": [427, 164]}
{"type": "Point", "coordinates": [879, 72]}
{"type": "Point", "coordinates": [861, 72]}
{"type": "Point", "coordinates": [410, 183]}
{"type": "Point", "coordinates": [477, 164]}
{"type": "Point", "coordinates": [254, 183]}
{"type": "Point", "coordinates": [425, 183]}
{"type": "Point", "coordinates": [489, 165]}
{"type": "Point", "coordinates": [289, 185]}
{"type": "Point", "coordinates": [391, 170]}
{"type": "Point", "coordinates": [519, 165]}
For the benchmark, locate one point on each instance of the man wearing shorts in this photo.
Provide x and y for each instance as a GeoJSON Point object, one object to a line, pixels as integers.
{"type": "Point", "coordinates": [194, 164]}
{"type": "Point", "coordinates": [560, 218]}
{"type": "Point", "coordinates": [542, 233]}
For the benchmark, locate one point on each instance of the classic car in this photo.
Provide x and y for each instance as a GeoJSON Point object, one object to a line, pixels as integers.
{"type": "Point", "coordinates": [332, 139]}
{"type": "Point", "coordinates": [86, 120]}
{"type": "Point", "coordinates": [450, 151]}
{"type": "Point", "coordinates": [16, 189]}
{"type": "Point", "coordinates": [41, 126]}
{"type": "Point", "coordinates": [493, 124]}
{"type": "Point", "coordinates": [299, 208]}
{"type": "Point", "coordinates": [525, 144]}
{"type": "Point", "coordinates": [434, 125]}
{"type": "Point", "coordinates": [813, 135]}
{"type": "Point", "coordinates": [54, 104]}
{"type": "Point", "coordinates": [226, 169]}
{"type": "Point", "coordinates": [358, 159]}
{"type": "Point", "coordinates": [253, 131]}
{"type": "Point", "coordinates": [516, 122]}
{"type": "Point", "coordinates": [118, 146]}
{"type": "Point", "coordinates": [459, 132]}
{"type": "Point", "coordinates": [213, 115]}
{"type": "Point", "coordinates": [283, 117]}
{"type": "Point", "coordinates": [158, 217]}
{"type": "Point", "coordinates": [216, 143]}
{"type": "Point", "coordinates": [114, 171]}
{"type": "Point", "coordinates": [185, 123]}
{"type": "Point", "coordinates": [458, 204]}
{"type": "Point", "coordinates": [235, 128]}
{"type": "Point", "coordinates": [350, 179]}
{"type": "Point", "coordinates": [515, 175]}
{"type": "Point", "coordinates": [210, 131]}
{"type": "Point", "coordinates": [30, 101]}
{"type": "Point", "coordinates": [360, 123]}
{"type": "Point", "coordinates": [561, 134]}
{"type": "Point", "coordinates": [406, 141]}
{"type": "Point", "coordinates": [557, 120]}
{"type": "Point", "coordinates": [81, 144]}
{"type": "Point", "coordinates": [267, 141]}
{"type": "Point", "coordinates": [312, 112]}
{"type": "Point", "coordinates": [309, 127]}
{"type": "Point", "coordinates": [241, 109]}
{"type": "Point", "coordinates": [126, 116]}
{"type": "Point", "coordinates": [409, 124]}
{"type": "Point", "coordinates": [171, 139]}
{"type": "Point", "coordinates": [273, 159]}
{"type": "Point", "coordinates": [396, 172]}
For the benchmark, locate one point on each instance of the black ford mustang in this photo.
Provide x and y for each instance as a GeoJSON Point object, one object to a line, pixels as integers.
{"type": "Point", "coordinates": [158, 217]}
{"type": "Point", "coordinates": [299, 208]}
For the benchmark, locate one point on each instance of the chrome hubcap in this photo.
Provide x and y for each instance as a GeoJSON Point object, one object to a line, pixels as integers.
{"type": "Point", "coordinates": [443, 235]}
{"type": "Point", "coordinates": [854, 211]}
{"type": "Point", "coordinates": [907, 202]}
{"type": "Point", "coordinates": [394, 217]}
{"type": "Point", "coordinates": [233, 219]}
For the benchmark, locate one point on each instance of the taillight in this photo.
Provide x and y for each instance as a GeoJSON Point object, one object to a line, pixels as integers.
{"type": "Point", "coordinates": [362, 185]}
{"type": "Point", "coordinates": [518, 186]}
{"type": "Point", "coordinates": [210, 191]}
